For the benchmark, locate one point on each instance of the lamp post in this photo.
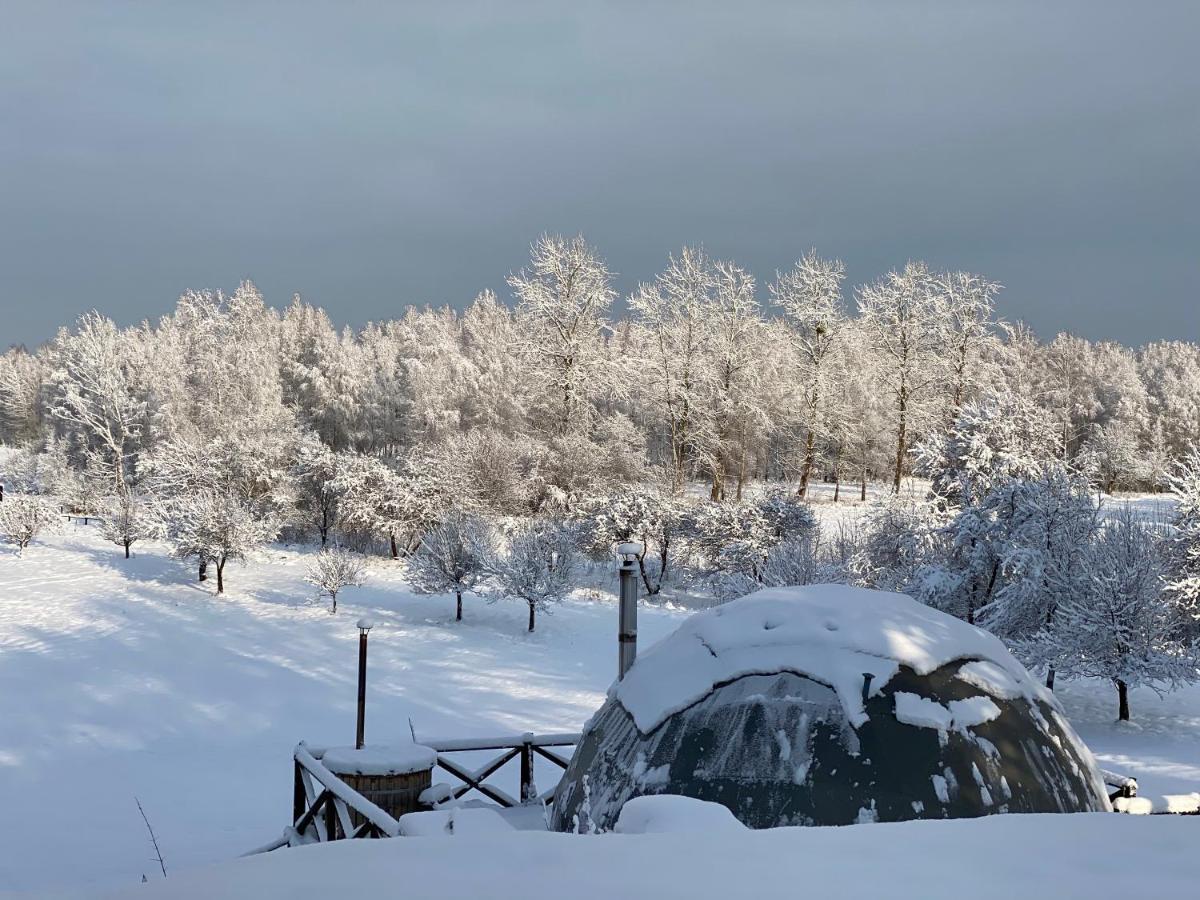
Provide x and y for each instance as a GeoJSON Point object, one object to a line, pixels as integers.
{"type": "Point", "coordinates": [627, 626]}
{"type": "Point", "coordinates": [364, 626]}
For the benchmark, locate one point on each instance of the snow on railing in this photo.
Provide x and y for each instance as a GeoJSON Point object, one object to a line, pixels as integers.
{"type": "Point", "coordinates": [325, 807]}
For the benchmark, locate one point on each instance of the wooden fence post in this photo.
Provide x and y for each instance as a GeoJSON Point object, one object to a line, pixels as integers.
{"type": "Point", "coordinates": [528, 788]}
{"type": "Point", "coordinates": [299, 800]}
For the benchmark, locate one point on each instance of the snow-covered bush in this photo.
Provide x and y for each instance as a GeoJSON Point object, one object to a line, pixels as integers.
{"type": "Point", "coordinates": [539, 565]}
{"type": "Point", "coordinates": [333, 569]}
{"type": "Point", "coordinates": [647, 517]}
{"type": "Point", "coordinates": [732, 540]}
{"type": "Point", "coordinates": [1121, 627]}
{"type": "Point", "coordinates": [898, 538]}
{"type": "Point", "coordinates": [125, 520]}
{"type": "Point", "coordinates": [455, 555]}
{"type": "Point", "coordinates": [24, 516]}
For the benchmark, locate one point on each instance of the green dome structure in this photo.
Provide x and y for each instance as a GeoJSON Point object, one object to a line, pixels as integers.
{"type": "Point", "coordinates": [829, 705]}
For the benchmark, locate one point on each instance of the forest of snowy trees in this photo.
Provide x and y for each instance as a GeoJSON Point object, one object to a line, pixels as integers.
{"type": "Point", "coordinates": [492, 447]}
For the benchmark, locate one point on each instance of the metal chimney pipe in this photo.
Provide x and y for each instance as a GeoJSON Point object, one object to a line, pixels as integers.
{"type": "Point", "coordinates": [364, 626]}
{"type": "Point", "coordinates": [627, 626]}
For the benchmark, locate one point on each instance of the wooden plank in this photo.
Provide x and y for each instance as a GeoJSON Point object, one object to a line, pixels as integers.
{"type": "Point", "coordinates": [360, 804]}
{"type": "Point", "coordinates": [474, 780]}
{"type": "Point", "coordinates": [561, 761]}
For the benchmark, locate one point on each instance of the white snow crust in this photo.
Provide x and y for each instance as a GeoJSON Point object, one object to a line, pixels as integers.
{"type": "Point", "coordinates": [834, 634]}
{"type": "Point", "coordinates": [391, 759]}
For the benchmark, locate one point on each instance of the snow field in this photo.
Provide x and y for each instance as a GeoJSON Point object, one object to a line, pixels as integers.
{"type": "Point", "coordinates": [123, 679]}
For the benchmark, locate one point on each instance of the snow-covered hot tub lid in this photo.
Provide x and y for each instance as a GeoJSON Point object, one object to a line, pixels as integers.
{"type": "Point", "coordinates": [380, 759]}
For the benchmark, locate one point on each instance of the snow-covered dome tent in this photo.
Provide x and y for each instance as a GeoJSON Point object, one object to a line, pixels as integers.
{"type": "Point", "coordinates": [829, 705]}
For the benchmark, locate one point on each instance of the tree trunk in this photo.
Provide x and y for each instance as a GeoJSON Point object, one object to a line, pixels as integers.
{"type": "Point", "coordinates": [863, 492]}
{"type": "Point", "coordinates": [810, 444]}
{"type": "Point", "coordinates": [901, 442]}
{"type": "Point", "coordinates": [458, 606]}
{"type": "Point", "coordinates": [220, 576]}
{"type": "Point", "coordinates": [1122, 700]}
{"type": "Point", "coordinates": [333, 597]}
{"type": "Point", "coordinates": [127, 549]}
{"type": "Point", "coordinates": [532, 609]}
{"type": "Point", "coordinates": [203, 569]}
{"type": "Point", "coordinates": [1050, 678]}
{"type": "Point", "coordinates": [395, 549]}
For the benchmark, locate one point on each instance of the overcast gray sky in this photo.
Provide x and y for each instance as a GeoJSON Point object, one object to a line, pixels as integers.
{"type": "Point", "coordinates": [374, 156]}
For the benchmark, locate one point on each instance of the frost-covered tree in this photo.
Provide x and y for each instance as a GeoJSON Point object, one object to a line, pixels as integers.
{"type": "Point", "coordinates": [318, 490]}
{"type": "Point", "coordinates": [538, 565]}
{"type": "Point", "coordinates": [651, 519]}
{"type": "Point", "coordinates": [23, 517]}
{"type": "Point", "coordinates": [1120, 627]}
{"type": "Point", "coordinates": [125, 520]}
{"type": "Point", "coordinates": [333, 569]}
{"type": "Point", "coordinates": [1111, 458]}
{"type": "Point", "coordinates": [93, 393]}
{"type": "Point", "coordinates": [21, 409]}
{"type": "Point", "coordinates": [810, 296]}
{"type": "Point", "coordinates": [903, 320]}
{"type": "Point", "coordinates": [1183, 541]}
{"type": "Point", "coordinates": [1000, 437]}
{"type": "Point", "coordinates": [455, 555]}
{"type": "Point", "coordinates": [968, 301]}
{"type": "Point", "coordinates": [562, 299]}
{"type": "Point", "coordinates": [675, 313]}
{"type": "Point", "coordinates": [215, 528]}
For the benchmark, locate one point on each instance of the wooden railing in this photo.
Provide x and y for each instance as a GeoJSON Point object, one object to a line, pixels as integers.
{"type": "Point", "coordinates": [520, 746]}
{"type": "Point", "coordinates": [325, 808]}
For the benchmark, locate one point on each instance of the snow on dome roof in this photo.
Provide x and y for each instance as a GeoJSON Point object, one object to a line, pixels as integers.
{"type": "Point", "coordinates": [832, 633]}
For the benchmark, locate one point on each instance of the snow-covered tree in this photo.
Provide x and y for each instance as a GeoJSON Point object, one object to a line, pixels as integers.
{"type": "Point", "coordinates": [93, 391]}
{"type": "Point", "coordinates": [215, 528]}
{"type": "Point", "coordinates": [1120, 627]}
{"type": "Point", "coordinates": [968, 301]}
{"type": "Point", "coordinates": [997, 438]}
{"type": "Point", "coordinates": [1183, 541]}
{"type": "Point", "coordinates": [455, 555]}
{"type": "Point", "coordinates": [903, 320]}
{"type": "Point", "coordinates": [23, 517]}
{"type": "Point", "coordinates": [538, 565]}
{"type": "Point", "coordinates": [562, 300]}
{"type": "Point", "coordinates": [810, 296]}
{"type": "Point", "coordinates": [125, 521]}
{"type": "Point", "coordinates": [318, 491]}
{"type": "Point", "coordinates": [333, 569]}
{"type": "Point", "coordinates": [646, 517]}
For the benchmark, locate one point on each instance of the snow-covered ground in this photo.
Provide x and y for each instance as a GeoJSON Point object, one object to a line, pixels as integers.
{"type": "Point", "coordinates": [1090, 855]}
{"type": "Point", "coordinates": [123, 679]}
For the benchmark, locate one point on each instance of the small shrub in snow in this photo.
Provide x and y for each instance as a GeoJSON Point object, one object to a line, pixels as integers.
{"type": "Point", "coordinates": [455, 555]}
{"type": "Point", "coordinates": [24, 517]}
{"type": "Point", "coordinates": [124, 522]}
{"type": "Point", "coordinates": [333, 569]}
{"type": "Point", "coordinates": [539, 565]}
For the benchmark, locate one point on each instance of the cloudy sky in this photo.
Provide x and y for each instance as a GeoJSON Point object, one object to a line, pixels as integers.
{"type": "Point", "coordinates": [375, 156]}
